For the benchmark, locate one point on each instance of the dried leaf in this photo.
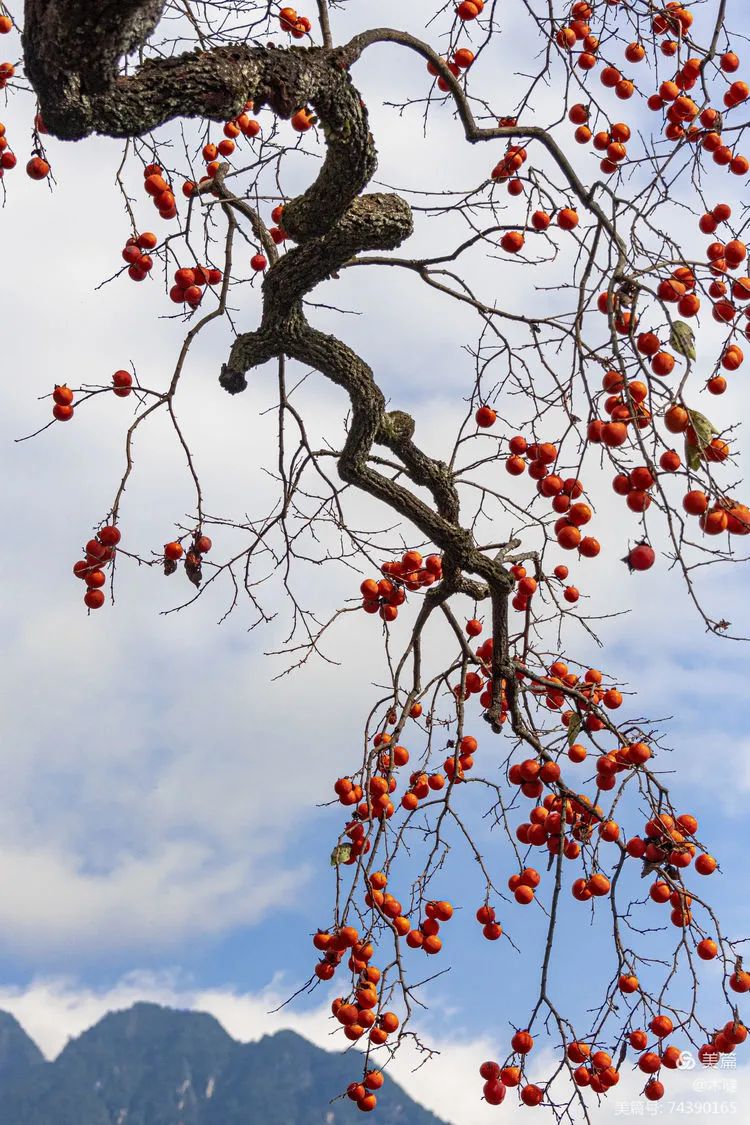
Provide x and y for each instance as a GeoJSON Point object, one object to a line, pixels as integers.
{"type": "Point", "coordinates": [341, 854]}
{"type": "Point", "coordinates": [682, 339]}
{"type": "Point", "coordinates": [574, 727]}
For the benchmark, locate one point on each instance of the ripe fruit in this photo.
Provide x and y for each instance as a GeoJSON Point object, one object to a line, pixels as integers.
{"type": "Point", "coordinates": [494, 1092]}
{"type": "Point", "coordinates": [122, 382]}
{"type": "Point", "coordinates": [62, 412]}
{"type": "Point", "coordinates": [567, 218]}
{"type": "Point", "coordinates": [598, 884]}
{"type": "Point", "coordinates": [695, 502]}
{"type": "Point", "coordinates": [302, 120]}
{"type": "Point", "coordinates": [258, 262]}
{"type": "Point", "coordinates": [661, 1026]}
{"type": "Point", "coordinates": [512, 241]}
{"type": "Point", "coordinates": [662, 363]}
{"type": "Point", "coordinates": [485, 417]}
{"type": "Point", "coordinates": [641, 557]}
{"type": "Point", "coordinates": [532, 1095]}
{"type": "Point", "coordinates": [109, 535]}
{"type": "Point", "coordinates": [63, 395]}
{"type": "Point", "coordinates": [37, 168]}
{"type": "Point", "coordinates": [676, 419]}
{"type": "Point", "coordinates": [173, 551]}
{"type": "Point", "coordinates": [522, 1042]}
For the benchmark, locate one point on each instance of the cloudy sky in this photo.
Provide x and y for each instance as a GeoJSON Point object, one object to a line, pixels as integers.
{"type": "Point", "coordinates": [161, 835]}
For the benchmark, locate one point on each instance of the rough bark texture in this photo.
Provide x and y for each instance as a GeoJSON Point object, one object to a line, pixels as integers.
{"type": "Point", "coordinates": [74, 58]}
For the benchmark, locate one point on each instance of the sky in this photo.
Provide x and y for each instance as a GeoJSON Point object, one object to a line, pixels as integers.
{"type": "Point", "coordinates": [163, 834]}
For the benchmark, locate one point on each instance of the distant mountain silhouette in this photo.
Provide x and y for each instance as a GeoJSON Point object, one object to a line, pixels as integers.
{"type": "Point", "coordinates": [157, 1066]}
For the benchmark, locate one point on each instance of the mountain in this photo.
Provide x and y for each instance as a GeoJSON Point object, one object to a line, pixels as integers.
{"type": "Point", "coordinates": [157, 1066]}
{"type": "Point", "coordinates": [17, 1051]}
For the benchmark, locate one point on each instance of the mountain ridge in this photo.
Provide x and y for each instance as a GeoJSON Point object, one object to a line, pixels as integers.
{"type": "Point", "coordinates": [154, 1065]}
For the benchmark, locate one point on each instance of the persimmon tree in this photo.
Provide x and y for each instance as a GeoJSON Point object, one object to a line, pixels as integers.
{"type": "Point", "coordinates": [617, 139]}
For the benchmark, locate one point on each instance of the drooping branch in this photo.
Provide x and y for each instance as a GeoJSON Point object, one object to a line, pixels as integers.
{"type": "Point", "coordinates": [73, 54]}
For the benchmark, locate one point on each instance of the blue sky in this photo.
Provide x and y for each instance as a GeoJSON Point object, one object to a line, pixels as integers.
{"type": "Point", "coordinates": [161, 834]}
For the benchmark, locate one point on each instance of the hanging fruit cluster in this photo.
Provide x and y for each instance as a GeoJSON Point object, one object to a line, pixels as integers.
{"type": "Point", "coordinates": [8, 159]}
{"type": "Point", "coordinates": [411, 572]}
{"type": "Point", "coordinates": [469, 9]}
{"type": "Point", "coordinates": [99, 552]}
{"type": "Point", "coordinates": [190, 283]}
{"type": "Point", "coordinates": [461, 60]}
{"type": "Point", "coordinates": [160, 191]}
{"type": "Point", "coordinates": [297, 26]}
{"type": "Point", "coordinates": [140, 263]}
{"type": "Point", "coordinates": [174, 551]}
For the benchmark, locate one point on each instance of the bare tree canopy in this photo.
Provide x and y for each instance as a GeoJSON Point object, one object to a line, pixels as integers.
{"type": "Point", "coordinates": [601, 259]}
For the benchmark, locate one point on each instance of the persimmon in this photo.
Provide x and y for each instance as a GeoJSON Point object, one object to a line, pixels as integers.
{"type": "Point", "coordinates": [635, 52]}
{"type": "Point", "coordinates": [600, 1060]}
{"type": "Point", "coordinates": [676, 419]}
{"type": "Point", "coordinates": [738, 519]}
{"type": "Point", "coordinates": [302, 120]}
{"type": "Point", "coordinates": [589, 547]}
{"type": "Point", "coordinates": [695, 502]}
{"type": "Point", "coordinates": [512, 241]}
{"type": "Point", "coordinates": [522, 1042]}
{"type": "Point", "coordinates": [661, 1025]}
{"type": "Point", "coordinates": [735, 1032]}
{"type": "Point", "coordinates": [62, 395]}
{"type": "Point", "coordinates": [37, 168]}
{"type": "Point", "coordinates": [122, 383]}
{"type": "Point", "coordinates": [469, 9]}
{"type": "Point", "coordinates": [649, 1062]}
{"type": "Point", "coordinates": [567, 218]}
{"type": "Point", "coordinates": [494, 1092]}
{"type": "Point", "coordinates": [717, 450]}
{"type": "Point", "coordinates": [532, 1095]}
{"type": "Point", "coordinates": [671, 1058]}
{"type": "Point", "coordinates": [662, 363]}
{"type": "Point", "coordinates": [463, 58]}
{"type": "Point", "coordinates": [598, 884]}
